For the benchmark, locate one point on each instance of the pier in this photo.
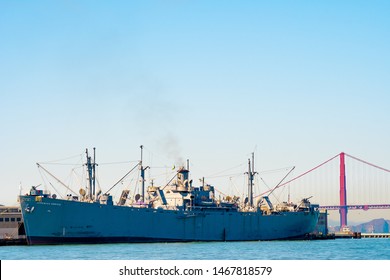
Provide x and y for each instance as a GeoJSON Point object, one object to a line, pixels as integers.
{"type": "Point", "coordinates": [13, 241]}
{"type": "Point", "coordinates": [375, 235]}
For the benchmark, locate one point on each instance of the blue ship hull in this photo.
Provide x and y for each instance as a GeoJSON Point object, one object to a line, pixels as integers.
{"type": "Point", "coordinates": [57, 221]}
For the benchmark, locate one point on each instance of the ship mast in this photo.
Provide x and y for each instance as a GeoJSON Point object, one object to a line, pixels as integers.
{"type": "Point", "coordinates": [251, 173]}
{"type": "Point", "coordinates": [142, 175]}
{"type": "Point", "coordinates": [91, 173]}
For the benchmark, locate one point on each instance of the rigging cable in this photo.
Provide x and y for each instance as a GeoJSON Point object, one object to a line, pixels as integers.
{"type": "Point", "coordinates": [44, 178]}
{"type": "Point", "coordinates": [218, 173]}
{"type": "Point", "coordinates": [118, 162]}
{"type": "Point", "coordinates": [122, 178]}
{"type": "Point", "coordinates": [299, 176]}
{"type": "Point", "coordinates": [170, 181]}
{"type": "Point", "coordinates": [282, 180]}
{"type": "Point", "coordinates": [54, 161]}
{"type": "Point", "coordinates": [270, 190]}
{"type": "Point", "coordinates": [55, 189]}
{"type": "Point", "coordinates": [58, 180]}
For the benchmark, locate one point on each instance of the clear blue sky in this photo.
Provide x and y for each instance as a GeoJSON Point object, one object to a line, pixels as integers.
{"type": "Point", "coordinates": [296, 81]}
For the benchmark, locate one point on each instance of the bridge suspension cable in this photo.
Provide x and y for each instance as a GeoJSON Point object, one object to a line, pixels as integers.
{"type": "Point", "coordinates": [366, 162]}
{"type": "Point", "coordinates": [299, 176]}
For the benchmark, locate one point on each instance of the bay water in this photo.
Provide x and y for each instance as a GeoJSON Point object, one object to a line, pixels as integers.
{"type": "Point", "coordinates": [337, 249]}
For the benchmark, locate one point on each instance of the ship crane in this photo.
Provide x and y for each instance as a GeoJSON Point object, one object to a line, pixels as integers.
{"type": "Point", "coordinates": [58, 180]}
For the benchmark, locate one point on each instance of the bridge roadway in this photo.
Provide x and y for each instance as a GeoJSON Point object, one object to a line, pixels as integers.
{"type": "Point", "coordinates": [356, 207]}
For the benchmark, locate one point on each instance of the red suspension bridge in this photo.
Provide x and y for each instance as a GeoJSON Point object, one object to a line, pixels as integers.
{"type": "Point", "coordinates": [368, 185]}
{"type": "Point", "coordinates": [343, 207]}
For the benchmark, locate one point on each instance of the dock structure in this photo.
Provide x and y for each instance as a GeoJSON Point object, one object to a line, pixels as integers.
{"type": "Point", "coordinates": [348, 235]}
{"type": "Point", "coordinates": [375, 235]}
{"type": "Point", "coordinates": [13, 241]}
{"type": "Point", "coordinates": [11, 224]}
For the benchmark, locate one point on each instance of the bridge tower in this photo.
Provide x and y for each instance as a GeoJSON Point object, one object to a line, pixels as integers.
{"type": "Point", "coordinates": [343, 192]}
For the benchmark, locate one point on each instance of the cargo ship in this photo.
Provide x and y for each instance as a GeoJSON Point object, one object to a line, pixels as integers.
{"type": "Point", "coordinates": [176, 212]}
